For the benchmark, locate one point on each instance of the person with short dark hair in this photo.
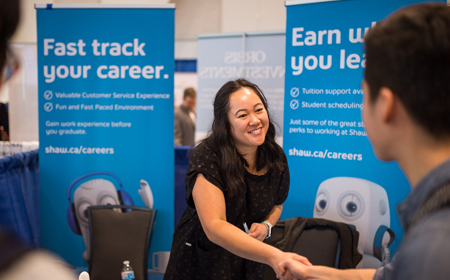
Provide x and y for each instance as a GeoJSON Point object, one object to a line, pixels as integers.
{"type": "Point", "coordinates": [236, 183]}
{"type": "Point", "coordinates": [185, 119]}
{"type": "Point", "coordinates": [407, 116]}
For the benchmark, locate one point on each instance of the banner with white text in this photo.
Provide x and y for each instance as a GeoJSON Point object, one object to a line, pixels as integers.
{"type": "Point", "coordinates": [334, 172]}
{"type": "Point", "coordinates": [105, 86]}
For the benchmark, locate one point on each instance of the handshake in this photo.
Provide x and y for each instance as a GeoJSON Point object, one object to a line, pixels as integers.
{"type": "Point", "coordinates": [298, 267]}
{"type": "Point", "coordinates": [293, 267]}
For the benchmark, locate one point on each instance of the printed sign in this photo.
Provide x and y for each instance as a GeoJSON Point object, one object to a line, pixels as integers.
{"type": "Point", "coordinates": [334, 172]}
{"type": "Point", "coordinates": [105, 76]}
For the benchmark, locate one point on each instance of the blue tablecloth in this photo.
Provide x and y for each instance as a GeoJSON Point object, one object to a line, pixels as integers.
{"type": "Point", "coordinates": [181, 164]}
{"type": "Point", "coordinates": [19, 196]}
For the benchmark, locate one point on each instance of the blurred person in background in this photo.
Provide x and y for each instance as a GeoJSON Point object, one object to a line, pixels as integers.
{"type": "Point", "coordinates": [185, 119]}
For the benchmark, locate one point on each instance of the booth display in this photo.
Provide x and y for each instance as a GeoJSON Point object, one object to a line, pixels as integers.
{"type": "Point", "coordinates": [96, 192]}
{"type": "Point", "coordinates": [333, 168]}
{"type": "Point", "coordinates": [105, 89]}
{"type": "Point", "coordinates": [106, 99]}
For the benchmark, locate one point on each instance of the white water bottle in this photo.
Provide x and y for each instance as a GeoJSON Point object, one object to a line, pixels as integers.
{"type": "Point", "coordinates": [127, 271]}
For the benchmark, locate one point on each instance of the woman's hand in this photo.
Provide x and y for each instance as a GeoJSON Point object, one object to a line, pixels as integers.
{"type": "Point", "coordinates": [293, 268]}
{"type": "Point", "coordinates": [258, 231]}
{"type": "Point", "coordinates": [279, 264]}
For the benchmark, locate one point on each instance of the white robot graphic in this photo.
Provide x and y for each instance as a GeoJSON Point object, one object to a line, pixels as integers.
{"type": "Point", "coordinates": [99, 192]}
{"type": "Point", "coordinates": [364, 205]}
{"type": "Point", "coordinates": [90, 193]}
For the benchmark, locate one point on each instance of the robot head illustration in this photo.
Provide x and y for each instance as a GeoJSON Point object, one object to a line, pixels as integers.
{"type": "Point", "coordinates": [90, 193]}
{"type": "Point", "coordinates": [359, 203]}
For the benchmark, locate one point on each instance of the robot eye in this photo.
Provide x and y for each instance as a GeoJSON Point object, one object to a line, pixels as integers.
{"type": "Point", "coordinates": [350, 205]}
{"type": "Point", "coordinates": [322, 201]}
{"type": "Point", "coordinates": [83, 212]}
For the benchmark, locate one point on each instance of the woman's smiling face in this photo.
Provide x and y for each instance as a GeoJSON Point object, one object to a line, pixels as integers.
{"type": "Point", "coordinates": [248, 119]}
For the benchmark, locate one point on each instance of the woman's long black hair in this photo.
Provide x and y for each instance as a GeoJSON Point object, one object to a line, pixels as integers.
{"type": "Point", "coordinates": [220, 139]}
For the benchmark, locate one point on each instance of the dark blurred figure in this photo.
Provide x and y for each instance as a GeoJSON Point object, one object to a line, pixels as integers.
{"type": "Point", "coordinates": [9, 19]}
{"type": "Point", "coordinates": [18, 261]}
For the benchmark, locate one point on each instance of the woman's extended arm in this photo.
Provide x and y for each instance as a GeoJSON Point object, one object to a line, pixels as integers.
{"type": "Point", "coordinates": [210, 204]}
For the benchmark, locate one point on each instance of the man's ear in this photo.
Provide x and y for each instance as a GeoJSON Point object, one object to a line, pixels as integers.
{"type": "Point", "coordinates": [386, 104]}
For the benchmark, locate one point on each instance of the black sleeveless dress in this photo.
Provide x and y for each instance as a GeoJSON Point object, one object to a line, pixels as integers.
{"type": "Point", "coordinates": [192, 255]}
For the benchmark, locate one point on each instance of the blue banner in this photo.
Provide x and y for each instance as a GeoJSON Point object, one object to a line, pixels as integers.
{"type": "Point", "coordinates": [106, 117]}
{"type": "Point", "coordinates": [334, 172]}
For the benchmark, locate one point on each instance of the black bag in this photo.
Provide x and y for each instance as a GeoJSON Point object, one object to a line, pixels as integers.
{"type": "Point", "coordinates": [323, 242]}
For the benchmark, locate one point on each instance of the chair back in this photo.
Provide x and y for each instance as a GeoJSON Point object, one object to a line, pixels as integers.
{"type": "Point", "coordinates": [118, 233]}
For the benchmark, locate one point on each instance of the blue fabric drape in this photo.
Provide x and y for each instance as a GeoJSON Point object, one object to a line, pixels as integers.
{"type": "Point", "coordinates": [181, 165]}
{"type": "Point", "coordinates": [186, 65]}
{"type": "Point", "coordinates": [19, 196]}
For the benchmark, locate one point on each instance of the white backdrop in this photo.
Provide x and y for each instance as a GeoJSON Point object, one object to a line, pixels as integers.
{"type": "Point", "coordinates": [22, 94]}
{"type": "Point", "coordinates": [182, 81]}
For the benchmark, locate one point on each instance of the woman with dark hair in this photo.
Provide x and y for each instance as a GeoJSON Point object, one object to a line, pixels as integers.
{"type": "Point", "coordinates": [237, 176]}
